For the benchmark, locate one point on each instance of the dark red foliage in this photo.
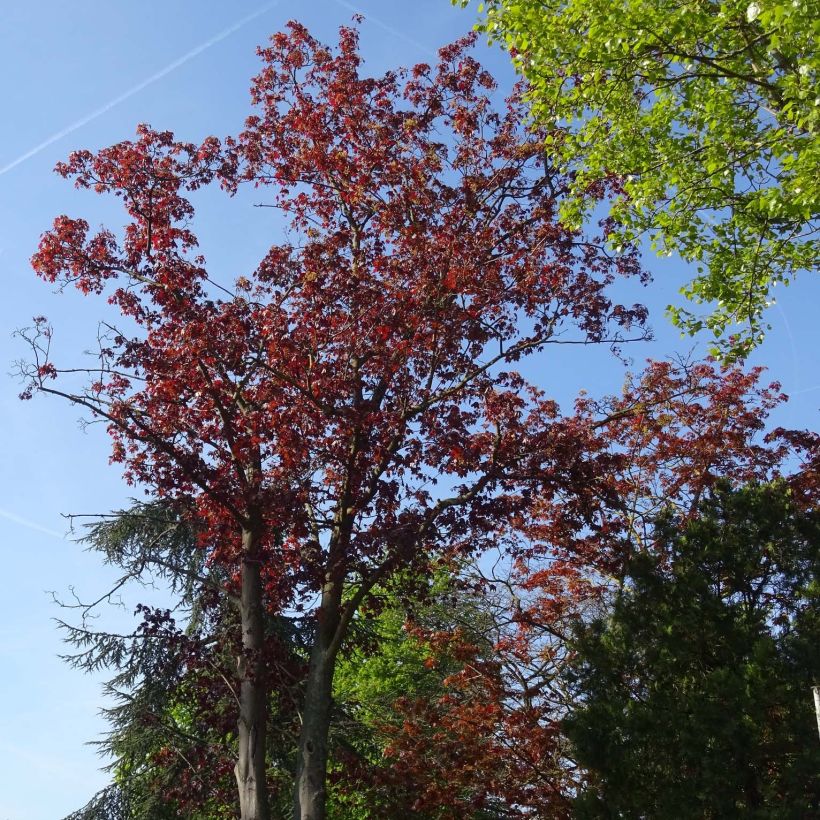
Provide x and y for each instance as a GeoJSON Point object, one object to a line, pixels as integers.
{"type": "Point", "coordinates": [361, 364]}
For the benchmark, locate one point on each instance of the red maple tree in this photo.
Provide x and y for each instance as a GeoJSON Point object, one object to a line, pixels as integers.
{"type": "Point", "coordinates": [348, 410]}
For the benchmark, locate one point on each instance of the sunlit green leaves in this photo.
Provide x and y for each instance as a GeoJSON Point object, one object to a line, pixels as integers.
{"type": "Point", "coordinates": [708, 111]}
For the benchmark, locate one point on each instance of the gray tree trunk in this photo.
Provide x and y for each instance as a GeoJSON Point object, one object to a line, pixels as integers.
{"type": "Point", "coordinates": [253, 691]}
{"type": "Point", "coordinates": [310, 794]}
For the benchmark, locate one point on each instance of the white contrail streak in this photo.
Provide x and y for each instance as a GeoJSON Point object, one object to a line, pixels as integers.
{"type": "Point", "coordinates": [163, 72]}
{"type": "Point", "coordinates": [24, 522]}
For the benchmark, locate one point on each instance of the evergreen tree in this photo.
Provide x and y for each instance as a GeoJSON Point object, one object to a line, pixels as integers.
{"type": "Point", "coordinates": [694, 695]}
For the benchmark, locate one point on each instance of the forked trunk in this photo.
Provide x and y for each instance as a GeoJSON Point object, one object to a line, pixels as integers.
{"type": "Point", "coordinates": [253, 694]}
{"type": "Point", "coordinates": [310, 795]}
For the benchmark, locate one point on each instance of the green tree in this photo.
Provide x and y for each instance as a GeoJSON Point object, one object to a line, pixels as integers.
{"type": "Point", "coordinates": [172, 740]}
{"type": "Point", "coordinates": [693, 697]}
{"type": "Point", "coordinates": [706, 112]}
{"type": "Point", "coordinates": [399, 673]}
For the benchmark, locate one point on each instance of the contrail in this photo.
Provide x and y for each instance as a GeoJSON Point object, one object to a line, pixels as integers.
{"type": "Point", "coordinates": [24, 522]}
{"type": "Point", "coordinates": [389, 29]}
{"type": "Point", "coordinates": [163, 72]}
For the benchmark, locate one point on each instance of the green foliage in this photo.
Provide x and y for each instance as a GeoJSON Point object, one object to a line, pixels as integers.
{"type": "Point", "coordinates": [171, 737]}
{"type": "Point", "coordinates": [387, 663]}
{"type": "Point", "coordinates": [694, 696]}
{"type": "Point", "coordinates": [707, 111]}
{"type": "Point", "coordinates": [369, 682]}
{"type": "Point", "coordinates": [165, 716]}
{"type": "Point", "coordinates": [366, 686]}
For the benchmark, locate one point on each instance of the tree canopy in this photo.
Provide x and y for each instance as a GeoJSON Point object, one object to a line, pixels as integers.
{"type": "Point", "coordinates": [303, 415]}
{"type": "Point", "coordinates": [448, 697]}
{"type": "Point", "coordinates": [706, 112]}
{"type": "Point", "coordinates": [320, 435]}
{"type": "Point", "coordinates": [693, 696]}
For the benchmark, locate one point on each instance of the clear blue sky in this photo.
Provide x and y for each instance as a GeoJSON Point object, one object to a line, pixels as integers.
{"type": "Point", "coordinates": [83, 74]}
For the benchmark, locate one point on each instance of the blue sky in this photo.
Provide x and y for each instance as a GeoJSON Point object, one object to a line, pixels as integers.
{"type": "Point", "coordinates": [83, 74]}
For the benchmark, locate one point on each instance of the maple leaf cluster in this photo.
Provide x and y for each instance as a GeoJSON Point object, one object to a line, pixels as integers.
{"type": "Point", "coordinates": [353, 369]}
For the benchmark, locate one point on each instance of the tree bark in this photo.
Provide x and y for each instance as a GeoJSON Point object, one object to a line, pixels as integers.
{"type": "Point", "coordinates": [253, 690]}
{"type": "Point", "coordinates": [310, 794]}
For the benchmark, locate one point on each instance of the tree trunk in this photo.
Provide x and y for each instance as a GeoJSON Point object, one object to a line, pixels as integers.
{"type": "Point", "coordinates": [253, 691]}
{"type": "Point", "coordinates": [310, 795]}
